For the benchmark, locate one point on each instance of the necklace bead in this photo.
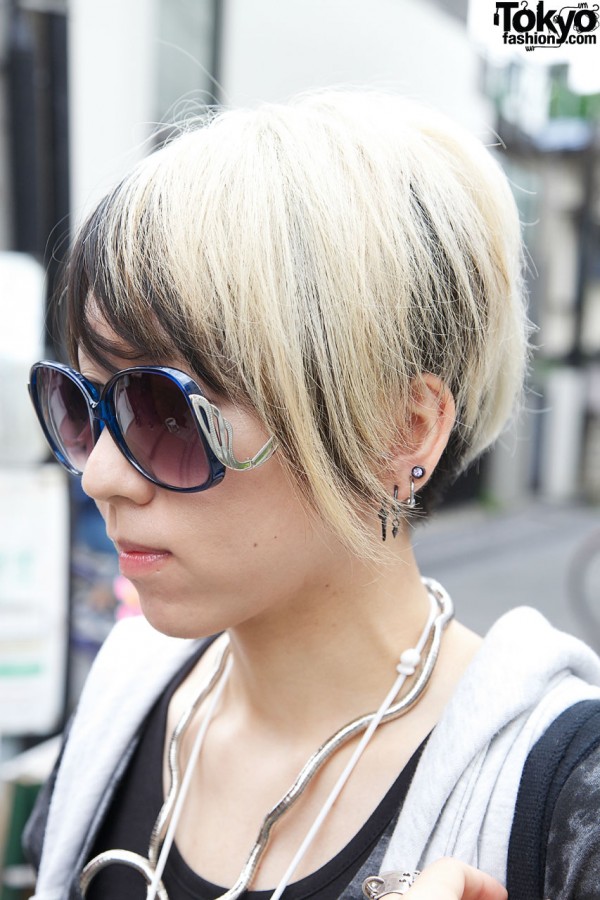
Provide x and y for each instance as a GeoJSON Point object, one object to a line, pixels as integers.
{"type": "Point", "coordinates": [409, 660]}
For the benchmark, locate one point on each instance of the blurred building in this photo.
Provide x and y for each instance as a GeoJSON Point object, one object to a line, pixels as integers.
{"type": "Point", "coordinates": [552, 139]}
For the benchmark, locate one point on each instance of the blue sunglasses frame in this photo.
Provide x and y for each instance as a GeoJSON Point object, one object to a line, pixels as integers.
{"type": "Point", "coordinates": [214, 431]}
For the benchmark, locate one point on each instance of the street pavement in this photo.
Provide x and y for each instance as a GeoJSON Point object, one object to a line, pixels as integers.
{"type": "Point", "coordinates": [491, 562]}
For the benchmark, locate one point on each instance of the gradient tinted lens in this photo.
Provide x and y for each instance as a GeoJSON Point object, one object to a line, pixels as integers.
{"type": "Point", "coordinates": [66, 415]}
{"type": "Point", "coordinates": [159, 429]}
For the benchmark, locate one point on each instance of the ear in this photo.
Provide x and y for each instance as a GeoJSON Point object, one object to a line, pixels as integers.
{"type": "Point", "coordinates": [425, 432]}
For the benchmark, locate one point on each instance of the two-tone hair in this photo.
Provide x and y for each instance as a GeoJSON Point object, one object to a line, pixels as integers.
{"type": "Point", "coordinates": [310, 261]}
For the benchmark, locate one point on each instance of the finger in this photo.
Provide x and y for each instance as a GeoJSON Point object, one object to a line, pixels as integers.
{"type": "Point", "coordinates": [450, 879]}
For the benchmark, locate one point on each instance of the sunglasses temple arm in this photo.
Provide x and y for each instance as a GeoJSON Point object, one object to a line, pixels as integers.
{"type": "Point", "coordinates": [219, 434]}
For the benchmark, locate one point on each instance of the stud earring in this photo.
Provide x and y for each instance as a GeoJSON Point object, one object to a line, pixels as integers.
{"type": "Point", "coordinates": [416, 473]}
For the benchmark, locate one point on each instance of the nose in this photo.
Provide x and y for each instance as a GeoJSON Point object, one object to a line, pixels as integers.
{"type": "Point", "coordinates": [108, 475]}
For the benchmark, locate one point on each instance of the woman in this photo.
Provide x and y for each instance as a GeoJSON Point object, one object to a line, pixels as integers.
{"type": "Point", "coordinates": [298, 324]}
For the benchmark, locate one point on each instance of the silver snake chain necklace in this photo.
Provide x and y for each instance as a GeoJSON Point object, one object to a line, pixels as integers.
{"type": "Point", "coordinates": [163, 832]}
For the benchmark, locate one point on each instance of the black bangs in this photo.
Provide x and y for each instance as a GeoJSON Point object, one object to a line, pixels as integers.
{"type": "Point", "coordinates": [101, 286]}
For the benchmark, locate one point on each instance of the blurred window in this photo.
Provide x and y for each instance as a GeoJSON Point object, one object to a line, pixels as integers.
{"type": "Point", "coordinates": [187, 57]}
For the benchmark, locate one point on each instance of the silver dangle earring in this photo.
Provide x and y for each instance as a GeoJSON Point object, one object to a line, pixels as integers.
{"type": "Point", "coordinates": [396, 511]}
{"type": "Point", "coordinates": [395, 508]}
{"type": "Point", "coordinates": [383, 515]}
{"type": "Point", "coordinates": [416, 473]}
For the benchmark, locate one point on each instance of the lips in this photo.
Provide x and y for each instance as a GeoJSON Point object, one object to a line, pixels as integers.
{"type": "Point", "coordinates": [138, 559]}
{"type": "Point", "coordinates": [129, 547]}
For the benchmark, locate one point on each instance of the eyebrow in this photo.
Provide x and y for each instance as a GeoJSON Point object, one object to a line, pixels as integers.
{"type": "Point", "coordinates": [106, 365]}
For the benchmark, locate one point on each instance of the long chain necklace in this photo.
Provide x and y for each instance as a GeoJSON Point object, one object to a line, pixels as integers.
{"type": "Point", "coordinates": [163, 832]}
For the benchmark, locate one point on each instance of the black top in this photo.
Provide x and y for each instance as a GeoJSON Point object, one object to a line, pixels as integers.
{"type": "Point", "coordinates": [571, 870]}
{"type": "Point", "coordinates": [573, 855]}
{"type": "Point", "coordinates": [138, 799]}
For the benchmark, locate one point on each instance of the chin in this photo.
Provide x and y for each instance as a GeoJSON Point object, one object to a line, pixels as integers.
{"type": "Point", "coordinates": [173, 623]}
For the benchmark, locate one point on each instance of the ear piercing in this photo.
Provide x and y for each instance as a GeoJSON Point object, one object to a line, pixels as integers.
{"type": "Point", "coordinates": [396, 512]}
{"type": "Point", "coordinates": [383, 515]}
{"type": "Point", "coordinates": [416, 473]}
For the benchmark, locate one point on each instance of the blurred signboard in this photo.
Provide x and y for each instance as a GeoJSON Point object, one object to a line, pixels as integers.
{"type": "Point", "coordinates": [34, 591]}
{"type": "Point", "coordinates": [22, 294]}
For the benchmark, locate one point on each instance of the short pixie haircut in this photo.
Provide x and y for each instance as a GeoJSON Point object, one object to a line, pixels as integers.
{"type": "Point", "coordinates": [311, 261]}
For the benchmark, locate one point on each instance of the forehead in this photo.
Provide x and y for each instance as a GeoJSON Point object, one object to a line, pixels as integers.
{"type": "Point", "coordinates": [122, 355]}
{"type": "Point", "coordinates": [109, 331]}
{"type": "Point", "coordinates": [119, 354]}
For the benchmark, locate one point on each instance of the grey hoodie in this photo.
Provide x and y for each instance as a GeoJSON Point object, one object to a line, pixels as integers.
{"type": "Point", "coordinates": [462, 797]}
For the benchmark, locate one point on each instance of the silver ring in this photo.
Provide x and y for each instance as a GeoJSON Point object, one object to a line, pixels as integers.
{"type": "Point", "coordinates": [376, 886]}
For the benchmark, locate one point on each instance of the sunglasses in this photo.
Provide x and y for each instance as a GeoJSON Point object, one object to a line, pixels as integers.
{"type": "Point", "coordinates": [157, 416]}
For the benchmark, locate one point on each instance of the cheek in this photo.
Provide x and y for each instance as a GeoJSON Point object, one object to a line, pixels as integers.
{"type": "Point", "coordinates": [276, 548]}
{"type": "Point", "coordinates": [249, 515]}
{"type": "Point", "coordinates": [252, 530]}
{"type": "Point", "coordinates": [240, 552]}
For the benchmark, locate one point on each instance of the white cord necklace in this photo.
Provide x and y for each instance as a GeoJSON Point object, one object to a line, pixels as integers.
{"type": "Point", "coordinates": [152, 867]}
{"type": "Point", "coordinates": [408, 662]}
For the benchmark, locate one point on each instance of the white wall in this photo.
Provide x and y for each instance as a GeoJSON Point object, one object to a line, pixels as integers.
{"type": "Point", "coordinates": [271, 49]}
{"type": "Point", "coordinates": [274, 48]}
{"type": "Point", "coordinates": [112, 69]}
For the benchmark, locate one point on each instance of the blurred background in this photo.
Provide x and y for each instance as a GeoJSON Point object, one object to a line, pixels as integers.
{"type": "Point", "coordinates": [87, 87]}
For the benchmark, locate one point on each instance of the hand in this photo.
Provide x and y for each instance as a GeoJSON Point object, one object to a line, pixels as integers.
{"type": "Point", "coordinates": [450, 879]}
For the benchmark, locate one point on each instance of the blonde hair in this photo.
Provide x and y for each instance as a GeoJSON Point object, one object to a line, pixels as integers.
{"type": "Point", "coordinates": [310, 261]}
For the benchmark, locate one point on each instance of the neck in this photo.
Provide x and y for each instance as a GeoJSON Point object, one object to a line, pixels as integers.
{"type": "Point", "coordinates": [329, 655]}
